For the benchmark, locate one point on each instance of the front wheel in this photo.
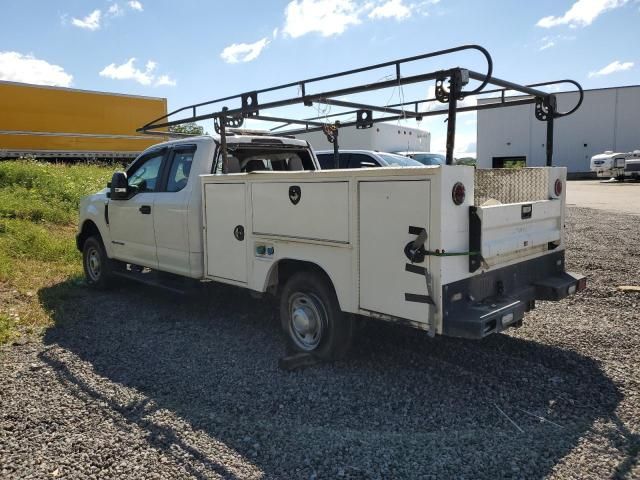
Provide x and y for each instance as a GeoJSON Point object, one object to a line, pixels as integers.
{"type": "Point", "coordinates": [97, 267]}
{"type": "Point", "coordinates": [311, 317]}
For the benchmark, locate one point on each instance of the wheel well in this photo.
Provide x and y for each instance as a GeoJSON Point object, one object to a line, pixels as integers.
{"type": "Point", "coordinates": [287, 267]}
{"type": "Point", "coordinates": [89, 229]}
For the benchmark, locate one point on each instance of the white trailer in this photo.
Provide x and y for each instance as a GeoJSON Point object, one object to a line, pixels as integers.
{"type": "Point", "coordinates": [616, 165]}
{"type": "Point", "coordinates": [383, 137]}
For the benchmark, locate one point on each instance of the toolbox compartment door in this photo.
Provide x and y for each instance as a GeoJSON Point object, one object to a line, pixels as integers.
{"type": "Point", "coordinates": [303, 210]}
{"type": "Point", "coordinates": [226, 254]}
{"type": "Point", "coordinates": [501, 233]}
{"type": "Point", "coordinates": [388, 209]}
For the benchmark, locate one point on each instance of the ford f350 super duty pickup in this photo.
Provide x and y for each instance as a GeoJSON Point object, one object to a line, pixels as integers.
{"type": "Point", "coordinates": [446, 249]}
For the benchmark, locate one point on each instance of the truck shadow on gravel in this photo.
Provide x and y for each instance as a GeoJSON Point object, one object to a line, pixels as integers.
{"type": "Point", "coordinates": [199, 376]}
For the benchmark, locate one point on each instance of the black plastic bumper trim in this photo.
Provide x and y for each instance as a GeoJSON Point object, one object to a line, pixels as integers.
{"type": "Point", "coordinates": [495, 300]}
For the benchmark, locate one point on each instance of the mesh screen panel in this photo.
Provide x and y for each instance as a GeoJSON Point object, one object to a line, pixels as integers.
{"type": "Point", "coordinates": [511, 185]}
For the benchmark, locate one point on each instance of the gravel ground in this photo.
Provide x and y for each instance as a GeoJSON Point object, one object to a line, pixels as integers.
{"type": "Point", "coordinates": [136, 383]}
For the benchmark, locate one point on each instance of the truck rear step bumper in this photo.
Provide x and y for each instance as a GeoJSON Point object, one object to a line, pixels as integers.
{"type": "Point", "coordinates": [493, 301]}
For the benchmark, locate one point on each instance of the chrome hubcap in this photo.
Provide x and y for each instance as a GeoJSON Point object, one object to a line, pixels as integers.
{"type": "Point", "coordinates": [93, 264]}
{"type": "Point", "coordinates": [307, 320]}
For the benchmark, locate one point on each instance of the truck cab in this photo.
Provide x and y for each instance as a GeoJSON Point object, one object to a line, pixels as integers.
{"type": "Point", "coordinates": [155, 221]}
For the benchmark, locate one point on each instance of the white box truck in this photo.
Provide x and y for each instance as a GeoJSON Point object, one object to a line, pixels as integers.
{"type": "Point", "coordinates": [383, 137]}
{"type": "Point", "coordinates": [444, 249]}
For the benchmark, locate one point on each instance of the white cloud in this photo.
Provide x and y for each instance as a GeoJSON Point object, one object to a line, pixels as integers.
{"type": "Point", "coordinates": [136, 5]}
{"type": "Point", "coordinates": [326, 17]}
{"type": "Point", "coordinates": [90, 22]}
{"type": "Point", "coordinates": [128, 71]}
{"type": "Point", "coordinates": [613, 67]}
{"type": "Point", "coordinates": [275, 32]}
{"type": "Point", "coordinates": [243, 52]}
{"type": "Point", "coordinates": [392, 9]}
{"type": "Point", "coordinates": [15, 67]}
{"type": "Point", "coordinates": [115, 10]}
{"type": "Point", "coordinates": [547, 44]}
{"type": "Point", "coordinates": [581, 14]}
{"type": "Point", "coordinates": [165, 80]}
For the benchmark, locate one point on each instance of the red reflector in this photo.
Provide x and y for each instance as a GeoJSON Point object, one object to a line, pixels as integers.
{"type": "Point", "coordinates": [557, 188]}
{"type": "Point", "coordinates": [458, 193]}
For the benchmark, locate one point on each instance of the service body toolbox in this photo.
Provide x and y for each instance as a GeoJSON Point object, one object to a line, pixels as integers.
{"type": "Point", "coordinates": [474, 270]}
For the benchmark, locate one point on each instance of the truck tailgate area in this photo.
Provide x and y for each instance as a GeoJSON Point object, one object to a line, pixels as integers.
{"type": "Point", "coordinates": [502, 232]}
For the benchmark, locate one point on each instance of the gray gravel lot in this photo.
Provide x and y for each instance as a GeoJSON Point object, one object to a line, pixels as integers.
{"type": "Point", "coordinates": [136, 383]}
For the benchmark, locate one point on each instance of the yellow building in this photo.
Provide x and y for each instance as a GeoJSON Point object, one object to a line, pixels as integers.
{"type": "Point", "coordinates": [65, 123]}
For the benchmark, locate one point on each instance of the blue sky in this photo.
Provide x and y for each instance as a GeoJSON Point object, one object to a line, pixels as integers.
{"type": "Point", "coordinates": [190, 51]}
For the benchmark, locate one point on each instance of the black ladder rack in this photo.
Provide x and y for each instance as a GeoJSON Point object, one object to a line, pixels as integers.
{"type": "Point", "coordinates": [449, 90]}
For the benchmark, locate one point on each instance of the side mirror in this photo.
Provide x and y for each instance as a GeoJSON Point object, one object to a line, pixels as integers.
{"type": "Point", "coordinates": [118, 187]}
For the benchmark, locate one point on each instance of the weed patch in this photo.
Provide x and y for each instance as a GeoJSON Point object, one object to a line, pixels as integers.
{"type": "Point", "coordinates": [38, 217]}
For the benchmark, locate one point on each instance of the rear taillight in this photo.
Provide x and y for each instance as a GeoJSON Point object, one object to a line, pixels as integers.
{"type": "Point", "coordinates": [458, 193]}
{"type": "Point", "coordinates": [557, 187]}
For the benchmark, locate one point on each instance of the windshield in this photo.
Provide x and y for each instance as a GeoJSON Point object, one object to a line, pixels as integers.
{"type": "Point", "coordinates": [428, 158]}
{"type": "Point", "coordinates": [392, 160]}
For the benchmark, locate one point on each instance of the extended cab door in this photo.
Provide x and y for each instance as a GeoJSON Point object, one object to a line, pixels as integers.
{"type": "Point", "coordinates": [131, 221]}
{"type": "Point", "coordinates": [171, 210]}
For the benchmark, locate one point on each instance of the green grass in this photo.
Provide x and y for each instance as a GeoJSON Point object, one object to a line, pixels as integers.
{"type": "Point", "coordinates": [7, 326]}
{"type": "Point", "coordinates": [38, 216]}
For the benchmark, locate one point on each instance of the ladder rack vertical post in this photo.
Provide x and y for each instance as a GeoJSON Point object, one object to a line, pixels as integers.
{"type": "Point", "coordinates": [336, 153]}
{"type": "Point", "coordinates": [454, 92]}
{"type": "Point", "coordinates": [551, 105]}
{"type": "Point", "coordinates": [223, 144]}
{"type": "Point", "coordinates": [549, 142]}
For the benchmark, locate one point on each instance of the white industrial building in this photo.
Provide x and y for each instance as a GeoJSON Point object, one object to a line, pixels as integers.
{"type": "Point", "coordinates": [609, 119]}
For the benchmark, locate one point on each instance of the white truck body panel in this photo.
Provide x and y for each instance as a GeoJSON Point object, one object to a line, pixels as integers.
{"type": "Point", "coordinates": [321, 214]}
{"type": "Point", "coordinates": [381, 256]}
{"type": "Point", "coordinates": [225, 208]}
{"type": "Point", "coordinates": [504, 232]}
{"type": "Point", "coordinates": [354, 224]}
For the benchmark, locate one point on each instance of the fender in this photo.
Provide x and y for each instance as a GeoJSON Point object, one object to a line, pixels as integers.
{"type": "Point", "coordinates": [94, 209]}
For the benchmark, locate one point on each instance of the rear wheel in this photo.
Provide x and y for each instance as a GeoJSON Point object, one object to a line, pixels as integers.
{"type": "Point", "coordinates": [97, 266]}
{"type": "Point", "coordinates": [311, 317]}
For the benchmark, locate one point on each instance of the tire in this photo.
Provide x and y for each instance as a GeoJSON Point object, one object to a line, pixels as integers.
{"type": "Point", "coordinates": [96, 264]}
{"type": "Point", "coordinates": [311, 317]}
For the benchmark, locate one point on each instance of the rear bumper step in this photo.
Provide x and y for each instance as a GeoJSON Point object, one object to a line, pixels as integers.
{"type": "Point", "coordinates": [493, 301]}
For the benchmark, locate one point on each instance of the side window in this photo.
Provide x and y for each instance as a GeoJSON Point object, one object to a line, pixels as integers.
{"type": "Point", "coordinates": [359, 160]}
{"type": "Point", "coordinates": [145, 174]}
{"type": "Point", "coordinates": [180, 169]}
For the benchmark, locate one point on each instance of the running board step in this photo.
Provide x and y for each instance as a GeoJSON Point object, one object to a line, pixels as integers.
{"type": "Point", "coordinates": [171, 283]}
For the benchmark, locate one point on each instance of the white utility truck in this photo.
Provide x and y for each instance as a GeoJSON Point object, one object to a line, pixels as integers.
{"type": "Point", "coordinates": [445, 249]}
{"type": "Point", "coordinates": [617, 165]}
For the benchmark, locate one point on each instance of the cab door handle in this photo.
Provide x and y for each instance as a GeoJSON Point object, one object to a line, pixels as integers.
{"type": "Point", "coordinates": [145, 209]}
